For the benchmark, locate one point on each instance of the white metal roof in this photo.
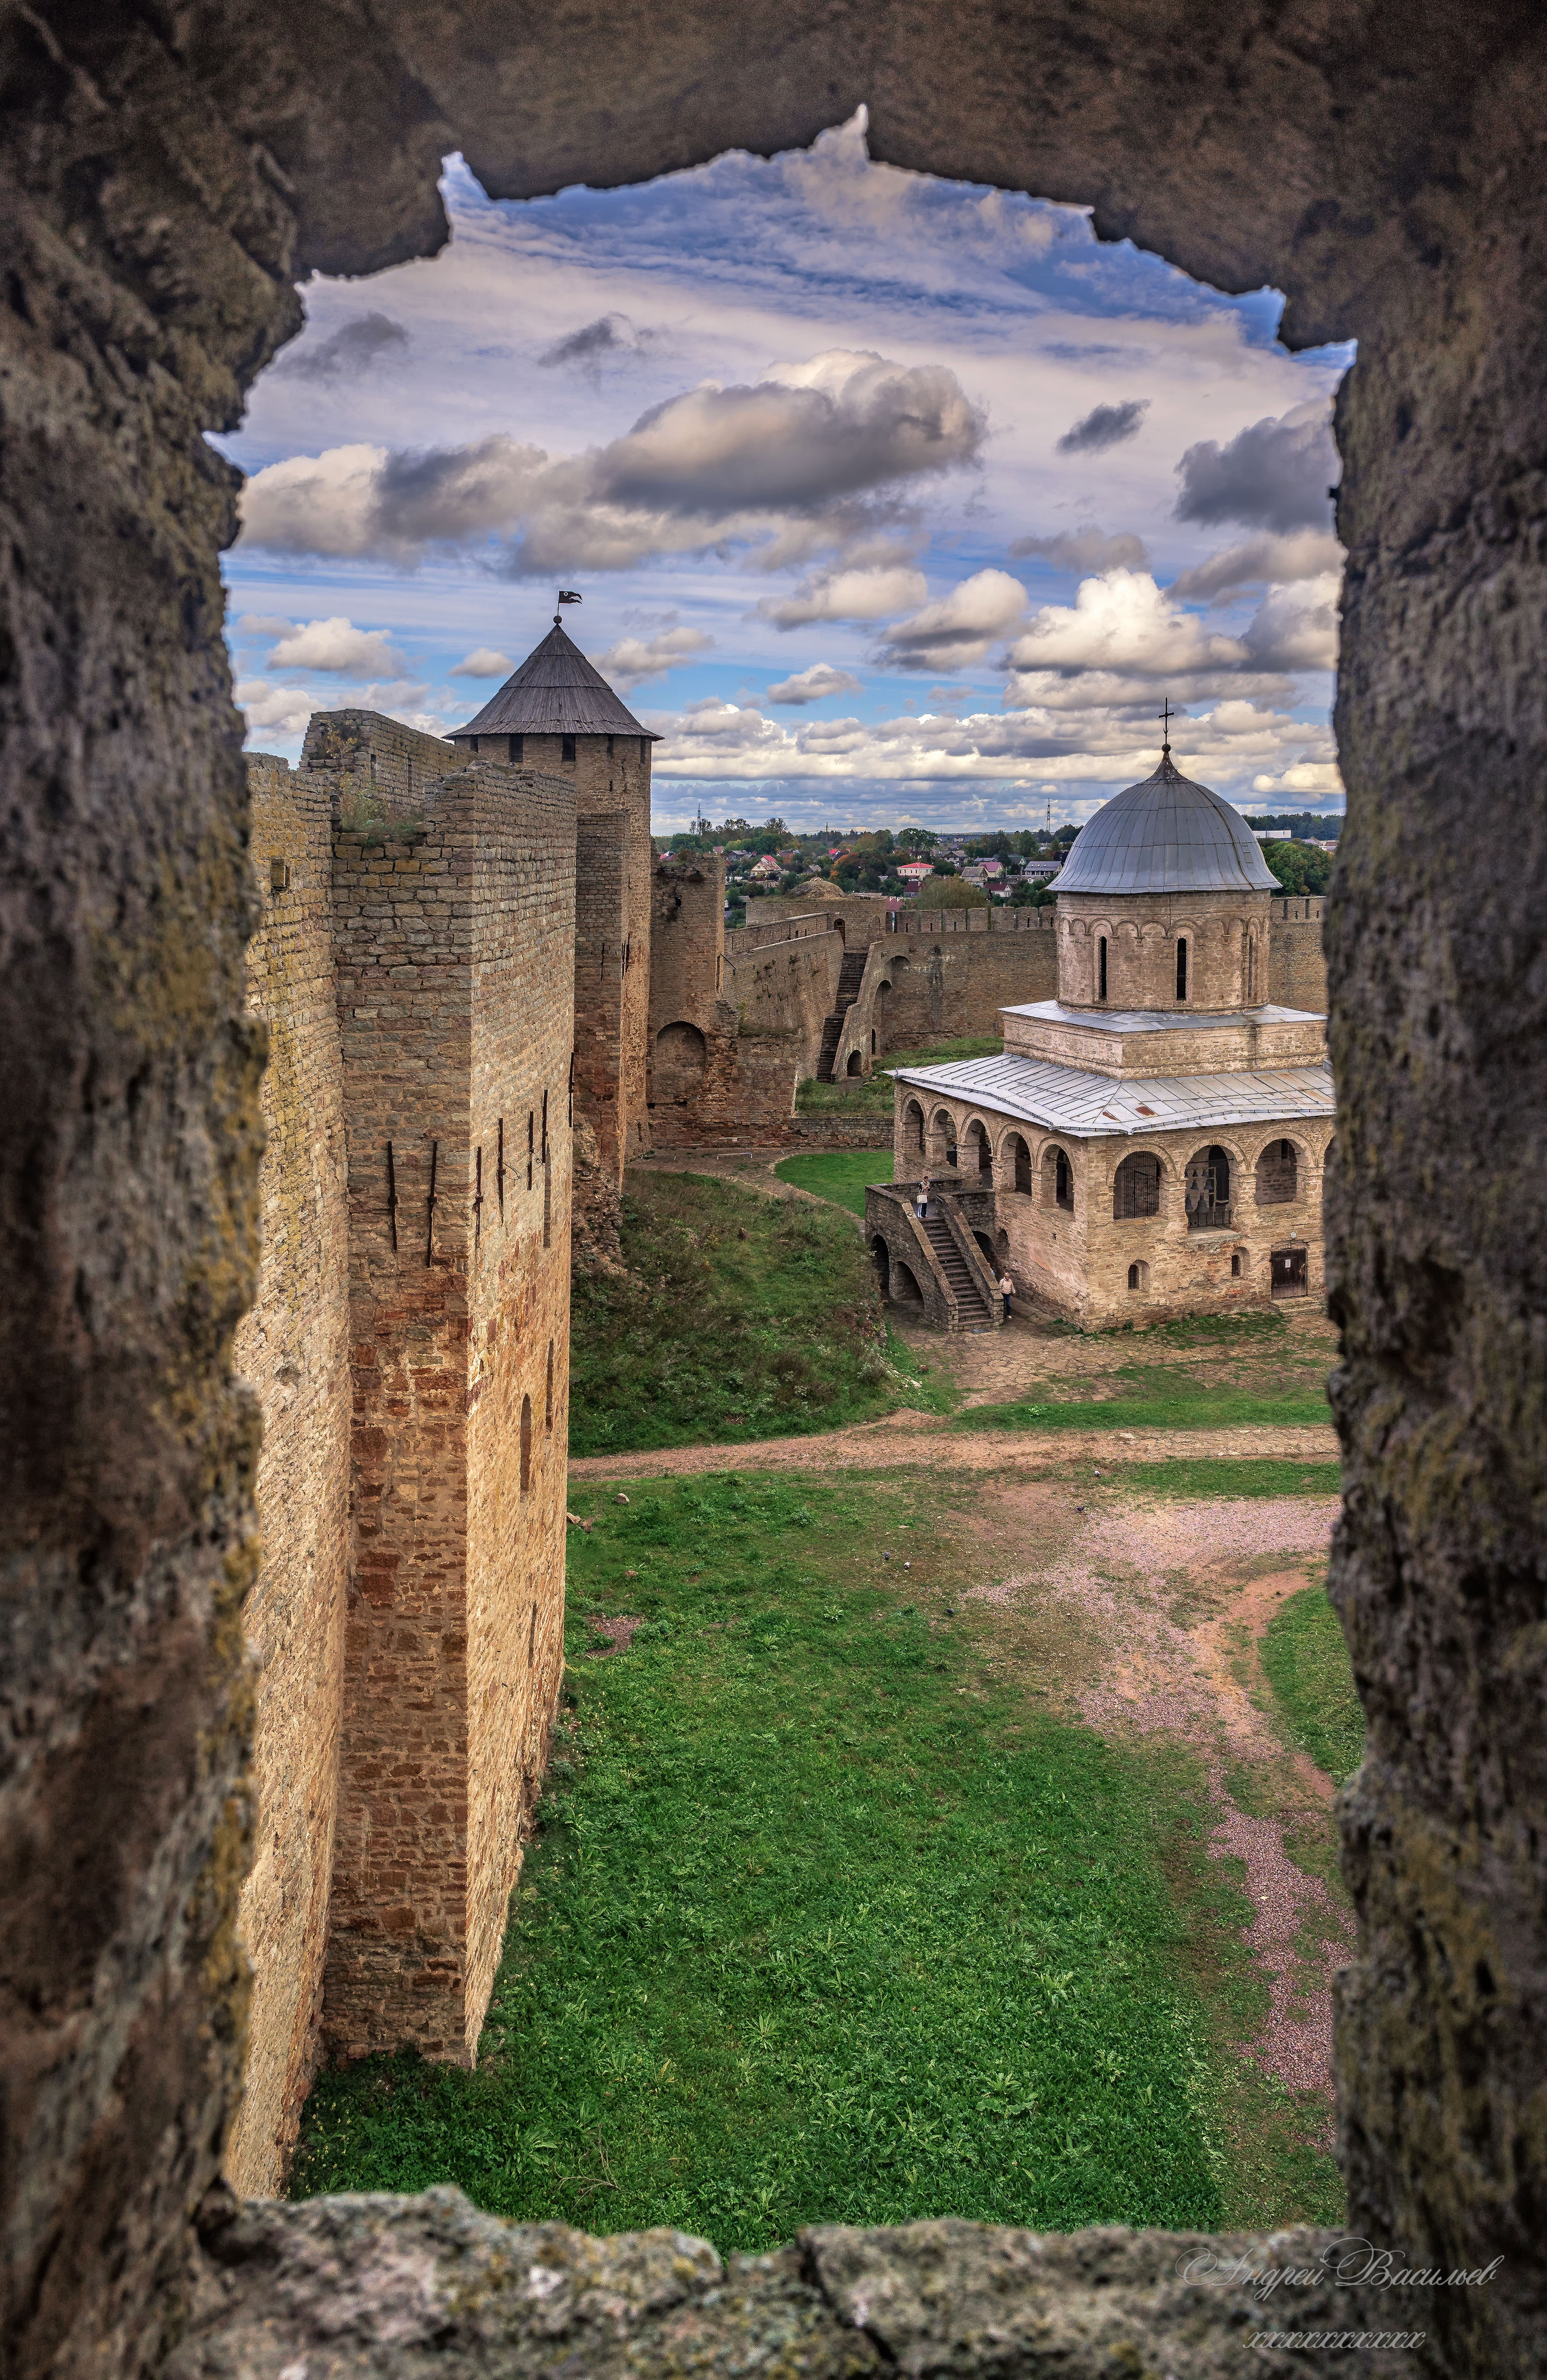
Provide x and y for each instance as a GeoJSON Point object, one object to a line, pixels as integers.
{"type": "Point", "coordinates": [1091, 1107]}
{"type": "Point", "coordinates": [1160, 1020]}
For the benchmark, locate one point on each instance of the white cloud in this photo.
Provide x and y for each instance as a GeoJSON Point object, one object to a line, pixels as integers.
{"type": "Point", "coordinates": [285, 707]}
{"type": "Point", "coordinates": [709, 466]}
{"type": "Point", "coordinates": [1295, 627]}
{"type": "Point", "coordinates": [959, 628]}
{"type": "Point", "coordinates": [1268, 560]}
{"type": "Point", "coordinates": [263, 624]}
{"type": "Point", "coordinates": [1318, 777]}
{"type": "Point", "coordinates": [338, 644]}
{"type": "Point", "coordinates": [1128, 629]}
{"type": "Point", "coordinates": [846, 595]}
{"type": "Point", "coordinates": [484, 662]}
{"type": "Point", "coordinates": [813, 684]}
{"type": "Point", "coordinates": [633, 659]}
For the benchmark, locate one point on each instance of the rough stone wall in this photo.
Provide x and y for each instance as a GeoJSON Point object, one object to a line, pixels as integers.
{"type": "Point", "coordinates": [786, 988]}
{"type": "Point", "coordinates": [602, 971]}
{"type": "Point", "coordinates": [166, 178]}
{"type": "Point", "coordinates": [375, 762]}
{"type": "Point", "coordinates": [730, 1036]}
{"type": "Point", "coordinates": [1296, 963]}
{"type": "Point", "coordinates": [293, 1349]}
{"type": "Point", "coordinates": [1226, 935]}
{"type": "Point", "coordinates": [457, 1571]}
{"type": "Point", "coordinates": [927, 987]}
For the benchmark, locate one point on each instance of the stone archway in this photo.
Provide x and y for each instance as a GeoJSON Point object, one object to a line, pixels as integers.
{"type": "Point", "coordinates": [1377, 165]}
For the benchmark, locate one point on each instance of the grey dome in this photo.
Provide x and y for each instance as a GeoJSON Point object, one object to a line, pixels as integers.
{"type": "Point", "coordinates": [556, 692]}
{"type": "Point", "coordinates": [1166, 835]}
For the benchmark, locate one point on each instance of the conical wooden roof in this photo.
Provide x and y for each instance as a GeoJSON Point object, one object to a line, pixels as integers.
{"type": "Point", "coordinates": [554, 692]}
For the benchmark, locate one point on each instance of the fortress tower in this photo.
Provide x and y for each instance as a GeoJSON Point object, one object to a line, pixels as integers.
{"type": "Point", "coordinates": [1153, 1139]}
{"type": "Point", "coordinates": [558, 715]}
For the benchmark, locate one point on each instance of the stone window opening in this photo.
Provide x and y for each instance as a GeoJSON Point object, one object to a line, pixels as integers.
{"type": "Point", "coordinates": [1181, 966]}
{"type": "Point", "coordinates": [881, 1256]}
{"type": "Point", "coordinates": [566, 747]}
{"type": "Point", "coordinates": [872, 1041]}
{"type": "Point", "coordinates": [1252, 970]}
{"type": "Point", "coordinates": [1136, 1188]}
{"type": "Point", "coordinates": [1101, 967]}
{"type": "Point", "coordinates": [856, 1063]}
{"type": "Point", "coordinates": [532, 1147]}
{"type": "Point", "coordinates": [526, 1444]}
{"type": "Point", "coordinates": [547, 1205]}
{"type": "Point", "coordinates": [1058, 1179]}
{"type": "Point", "coordinates": [548, 1399]}
{"type": "Point", "coordinates": [981, 1156]}
{"type": "Point", "coordinates": [1289, 1270]}
{"type": "Point", "coordinates": [1238, 1264]}
{"type": "Point", "coordinates": [1207, 1194]}
{"type": "Point", "coordinates": [1019, 1163]}
{"type": "Point", "coordinates": [531, 1635]}
{"type": "Point", "coordinates": [1278, 1174]}
{"type": "Point", "coordinates": [681, 1055]}
{"type": "Point", "coordinates": [517, 747]}
{"type": "Point", "coordinates": [609, 748]}
{"type": "Point", "coordinates": [913, 1130]}
{"type": "Point", "coordinates": [1138, 1279]}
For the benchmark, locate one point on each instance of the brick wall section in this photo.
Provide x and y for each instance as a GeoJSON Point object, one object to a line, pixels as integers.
{"type": "Point", "coordinates": [601, 970]}
{"type": "Point", "coordinates": [442, 1705]}
{"type": "Point", "coordinates": [1297, 966]}
{"type": "Point", "coordinates": [1077, 1261]}
{"type": "Point", "coordinates": [373, 758]}
{"type": "Point", "coordinates": [292, 1347]}
{"type": "Point", "coordinates": [1225, 933]}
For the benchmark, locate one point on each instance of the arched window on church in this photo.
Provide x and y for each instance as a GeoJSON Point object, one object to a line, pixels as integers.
{"type": "Point", "coordinates": [1101, 967]}
{"type": "Point", "coordinates": [1181, 966]}
{"type": "Point", "coordinates": [1136, 1189]}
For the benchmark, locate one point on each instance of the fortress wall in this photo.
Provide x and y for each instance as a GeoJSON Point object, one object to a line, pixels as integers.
{"type": "Point", "coordinates": [1296, 966]}
{"type": "Point", "coordinates": [786, 987]}
{"type": "Point", "coordinates": [942, 986]}
{"type": "Point", "coordinates": [435, 1327]}
{"type": "Point", "coordinates": [862, 914]}
{"type": "Point", "coordinates": [517, 1356]}
{"type": "Point", "coordinates": [602, 964]}
{"type": "Point", "coordinates": [292, 1348]}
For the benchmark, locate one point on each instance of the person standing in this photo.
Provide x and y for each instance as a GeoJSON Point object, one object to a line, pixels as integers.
{"type": "Point", "coordinates": [922, 1198]}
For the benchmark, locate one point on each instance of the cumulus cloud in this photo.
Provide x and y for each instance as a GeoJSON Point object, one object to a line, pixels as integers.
{"type": "Point", "coordinates": [846, 595]}
{"type": "Point", "coordinates": [708, 467]}
{"type": "Point", "coordinates": [361, 341]}
{"type": "Point", "coordinates": [717, 740]}
{"type": "Point", "coordinates": [1122, 623]}
{"type": "Point", "coordinates": [263, 624]}
{"type": "Point", "coordinates": [1104, 426]}
{"type": "Point", "coordinates": [1317, 777]}
{"type": "Point", "coordinates": [634, 658]}
{"type": "Point", "coordinates": [483, 662]}
{"type": "Point", "coordinates": [1295, 627]}
{"type": "Point", "coordinates": [959, 628]}
{"type": "Point", "coordinates": [813, 684]}
{"type": "Point", "coordinates": [1085, 549]}
{"type": "Point", "coordinates": [338, 644]}
{"type": "Point", "coordinates": [1263, 560]}
{"type": "Point", "coordinates": [1273, 475]}
{"type": "Point", "coordinates": [285, 708]}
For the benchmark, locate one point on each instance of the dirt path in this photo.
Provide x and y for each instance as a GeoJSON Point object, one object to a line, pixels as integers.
{"type": "Point", "coordinates": [905, 1438]}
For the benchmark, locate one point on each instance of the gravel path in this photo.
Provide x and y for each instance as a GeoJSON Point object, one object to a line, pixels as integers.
{"type": "Point", "coordinates": [907, 1438]}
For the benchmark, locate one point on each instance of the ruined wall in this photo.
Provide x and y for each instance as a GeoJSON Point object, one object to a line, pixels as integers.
{"type": "Point", "coordinates": [293, 1348]}
{"type": "Point", "coordinates": [1296, 963]}
{"type": "Point", "coordinates": [456, 1567]}
{"type": "Point", "coordinates": [377, 763]}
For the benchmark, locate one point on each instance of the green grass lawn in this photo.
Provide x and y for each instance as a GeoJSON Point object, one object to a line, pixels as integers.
{"type": "Point", "coordinates": [840, 1174]}
{"type": "Point", "coordinates": [1227, 1476]}
{"type": "Point", "coordinates": [1158, 1396]}
{"type": "Point", "coordinates": [1307, 1662]}
{"type": "Point", "coordinates": [873, 1095]}
{"type": "Point", "coordinates": [826, 1921]}
{"type": "Point", "coordinates": [743, 1317]}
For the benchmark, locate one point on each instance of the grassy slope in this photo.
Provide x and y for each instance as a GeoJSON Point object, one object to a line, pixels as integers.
{"type": "Point", "coordinates": [1307, 1662]}
{"type": "Point", "coordinates": [745, 1316]}
{"type": "Point", "coordinates": [810, 1933]}
{"type": "Point", "coordinates": [839, 1175]}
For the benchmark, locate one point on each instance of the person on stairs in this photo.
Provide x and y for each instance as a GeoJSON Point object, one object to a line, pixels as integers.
{"type": "Point", "coordinates": [922, 1199]}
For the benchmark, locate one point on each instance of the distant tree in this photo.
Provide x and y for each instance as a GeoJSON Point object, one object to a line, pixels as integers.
{"type": "Point", "coordinates": [1030, 892]}
{"type": "Point", "coordinates": [949, 893]}
{"type": "Point", "coordinates": [1298, 866]}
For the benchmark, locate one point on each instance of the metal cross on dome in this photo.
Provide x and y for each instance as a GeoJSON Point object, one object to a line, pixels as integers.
{"type": "Point", "coordinates": [1165, 715]}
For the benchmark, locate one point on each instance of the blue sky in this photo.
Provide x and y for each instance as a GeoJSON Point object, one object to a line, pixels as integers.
{"type": "Point", "coordinates": [890, 500]}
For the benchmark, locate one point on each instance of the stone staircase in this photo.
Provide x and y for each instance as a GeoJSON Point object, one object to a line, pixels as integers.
{"type": "Point", "coordinates": [850, 975]}
{"type": "Point", "coordinates": [972, 1310]}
